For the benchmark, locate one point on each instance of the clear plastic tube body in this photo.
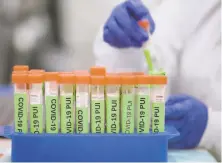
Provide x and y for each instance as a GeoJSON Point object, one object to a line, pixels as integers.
{"type": "Point", "coordinates": [52, 106]}
{"type": "Point", "coordinates": [82, 108]}
{"type": "Point", "coordinates": [158, 108]}
{"type": "Point", "coordinates": [127, 108]}
{"type": "Point", "coordinates": [67, 110]}
{"type": "Point", "coordinates": [143, 108]}
{"type": "Point", "coordinates": [113, 108]}
{"type": "Point", "coordinates": [97, 109]}
{"type": "Point", "coordinates": [21, 108]}
{"type": "Point", "coordinates": [36, 108]}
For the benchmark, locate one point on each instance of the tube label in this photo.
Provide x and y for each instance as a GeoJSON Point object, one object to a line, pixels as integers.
{"type": "Point", "coordinates": [20, 115]}
{"type": "Point", "coordinates": [67, 116]}
{"type": "Point", "coordinates": [143, 110]}
{"type": "Point", "coordinates": [36, 117]}
{"type": "Point", "coordinates": [98, 119]}
{"type": "Point", "coordinates": [52, 114]}
{"type": "Point", "coordinates": [82, 123]}
{"type": "Point", "coordinates": [113, 114]}
{"type": "Point", "coordinates": [36, 111]}
{"type": "Point", "coordinates": [127, 106]}
{"type": "Point", "coordinates": [158, 117]}
{"type": "Point", "coordinates": [82, 112]}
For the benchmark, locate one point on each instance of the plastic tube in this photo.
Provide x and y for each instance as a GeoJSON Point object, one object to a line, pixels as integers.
{"type": "Point", "coordinates": [20, 102]}
{"type": "Point", "coordinates": [127, 103]}
{"type": "Point", "coordinates": [82, 103]}
{"type": "Point", "coordinates": [67, 81]}
{"type": "Point", "coordinates": [20, 68]}
{"type": "Point", "coordinates": [80, 72]}
{"type": "Point", "coordinates": [97, 104]}
{"type": "Point", "coordinates": [136, 90]}
{"type": "Point", "coordinates": [52, 102]}
{"type": "Point", "coordinates": [97, 71]}
{"type": "Point", "coordinates": [146, 26]}
{"type": "Point", "coordinates": [36, 106]}
{"type": "Point", "coordinates": [37, 71]}
{"type": "Point", "coordinates": [158, 103]}
{"type": "Point", "coordinates": [143, 103]}
{"type": "Point", "coordinates": [113, 103]}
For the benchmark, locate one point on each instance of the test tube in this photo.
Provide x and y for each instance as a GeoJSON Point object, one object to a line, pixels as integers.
{"type": "Point", "coordinates": [158, 103]}
{"type": "Point", "coordinates": [136, 91]}
{"type": "Point", "coordinates": [113, 103]}
{"type": "Point", "coordinates": [20, 102]}
{"type": "Point", "coordinates": [36, 71]}
{"type": "Point", "coordinates": [80, 72]}
{"type": "Point", "coordinates": [97, 104]}
{"type": "Point", "coordinates": [52, 102]}
{"type": "Point", "coordinates": [67, 81]}
{"type": "Point", "coordinates": [36, 106]}
{"type": "Point", "coordinates": [127, 103]}
{"type": "Point", "coordinates": [20, 68]}
{"type": "Point", "coordinates": [143, 103]}
{"type": "Point", "coordinates": [82, 103]}
{"type": "Point", "coordinates": [97, 71]}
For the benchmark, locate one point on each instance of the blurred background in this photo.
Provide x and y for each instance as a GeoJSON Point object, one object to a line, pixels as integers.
{"type": "Point", "coordinates": [55, 35]}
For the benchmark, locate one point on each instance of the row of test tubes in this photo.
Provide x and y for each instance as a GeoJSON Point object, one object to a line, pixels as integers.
{"type": "Point", "coordinates": [87, 101]}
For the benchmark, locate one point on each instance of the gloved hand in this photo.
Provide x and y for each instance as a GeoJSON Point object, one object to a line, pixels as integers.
{"type": "Point", "coordinates": [122, 30]}
{"type": "Point", "coordinates": [189, 116]}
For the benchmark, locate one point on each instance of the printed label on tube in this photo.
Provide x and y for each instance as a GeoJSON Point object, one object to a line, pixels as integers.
{"type": "Point", "coordinates": [158, 117]}
{"type": "Point", "coordinates": [67, 116]}
{"type": "Point", "coordinates": [142, 105]}
{"type": "Point", "coordinates": [52, 113]}
{"type": "Point", "coordinates": [36, 111]}
{"type": "Point", "coordinates": [127, 106]}
{"type": "Point", "coordinates": [21, 118]}
{"type": "Point", "coordinates": [112, 114]}
{"type": "Point", "coordinates": [36, 117]}
{"type": "Point", "coordinates": [82, 122]}
{"type": "Point", "coordinates": [98, 119]}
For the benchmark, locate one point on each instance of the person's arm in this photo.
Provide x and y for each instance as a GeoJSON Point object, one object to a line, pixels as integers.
{"type": "Point", "coordinates": [211, 139]}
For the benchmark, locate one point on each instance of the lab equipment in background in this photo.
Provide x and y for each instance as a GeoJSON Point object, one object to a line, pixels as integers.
{"type": "Point", "coordinates": [127, 103]}
{"type": "Point", "coordinates": [52, 102]}
{"type": "Point", "coordinates": [20, 102]}
{"type": "Point", "coordinates": [37, 117]}
{"type": "Point", "coordinates": [82, 103]}
{"type": "Point", "coordinates": [66, 81]}
{"type": "Point", "coordinates": [158, 103]}
{"type": "Point", "coordinates": [143, 103]}
{"type": "Point", "coordinates": [97, 104]}
{"type": "Point", "coordinates": [113, 84]}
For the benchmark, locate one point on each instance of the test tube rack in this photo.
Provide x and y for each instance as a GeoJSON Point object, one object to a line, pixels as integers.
{"type": "Point", "coordinates": [90, 147]}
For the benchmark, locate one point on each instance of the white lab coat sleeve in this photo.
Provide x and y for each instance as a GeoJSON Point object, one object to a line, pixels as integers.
{"type": "Point", "coordinates": [211, 139]}
{"type": "Point", "coordinates": [118, 60]}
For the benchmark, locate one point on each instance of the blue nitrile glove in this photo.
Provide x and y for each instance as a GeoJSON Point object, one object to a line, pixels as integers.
{"type": "Point", "coordinates": [122, 30]}
{"type": "Point", "coordinates": [189, 116]}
